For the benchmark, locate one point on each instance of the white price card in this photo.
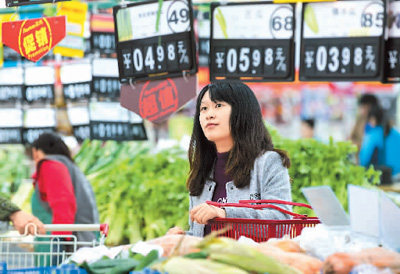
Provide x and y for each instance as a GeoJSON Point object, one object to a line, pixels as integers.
{"type": "Point", "coordinates": [14, 117]}
{"type": "Point", "coordinates": [256, 21]}
{"type": "Point", "coordinates": [105, 67]}
{"type": "Point", "coordinates": [40, 117]}
{"type": "Point", "coordinates": [394, 19]}
{"type": "Point", "coordinates": [108, 111]}
{"type": "Point", "coordinates": [364, 210]}
{"type": "Point", "coordinates": [140, 21]}
{"type": "Point", "coordinates": [76, 73]}
{"type": "Point", "coordinates": [78, 115]}
{"type": "Point", "coordinates": [135, 118]}
{"type": "Point", "coordinates": [11, 76]}
{"type": "Point", "coordinates": [343, 19]}
{"type": "Point", "coordinates": [39, 75]}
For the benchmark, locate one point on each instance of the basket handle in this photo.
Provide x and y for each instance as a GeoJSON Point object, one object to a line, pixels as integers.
{"type": "Point", "coordinates": [247, 205]}
{"type": "Point", "coordinates": [78, 227]}
{"type": "Point", "coordinates": [275, 202]}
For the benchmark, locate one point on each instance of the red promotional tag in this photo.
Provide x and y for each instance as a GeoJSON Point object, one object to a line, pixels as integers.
{"type": "Point", "coordinates": [159, 99]}
{"type": "Point", "coordinates": [34, 38]}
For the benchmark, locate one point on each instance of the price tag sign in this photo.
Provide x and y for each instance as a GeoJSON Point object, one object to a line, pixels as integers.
{"type": "Point", "coordinates": [148, 48]}
{"type": "Point", "coordinates": [392, 54]}
{"type": "Point", "coordinates": [102, 33]}
{"type": "Point", "coordinates": [76, 80]}
{"type": "Point", "coordinates": [39, 84]}
{"type": "Point", "coordinates": [109, 121]}
{"type": "Point", "coordinates": [37, 121]}
{"type": "Point", "coordinates": [11, 128]}
{"type": "Point", "coordinates": [79, 118]}
{"type": "Point", "coordinates": [342, 41]}
{"type": "Point", "coordinates": [202, 14]}
{"type": "Point", "coordinates": [11, 84]}
{"type": "Point", "coordinates": [105, 78]}
{"type": "Point", "coordinates": [252, 42]}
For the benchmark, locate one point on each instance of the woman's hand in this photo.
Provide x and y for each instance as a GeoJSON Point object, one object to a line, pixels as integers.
{"type": "Point", "coordinates": [21, 219]}
{"type": "Point", "coordinates": [176, 231]}
{"type": "Point", "coordinates": [205, 212]}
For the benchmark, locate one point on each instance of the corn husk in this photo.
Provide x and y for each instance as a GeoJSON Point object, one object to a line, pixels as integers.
{"type": "Point", "coordinates": [230, 252]}
{"type": "Point", "coordinates": [181, 265]}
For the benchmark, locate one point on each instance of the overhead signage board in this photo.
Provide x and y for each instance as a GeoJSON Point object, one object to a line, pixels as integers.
{"type": "Point", "coordinates": [105, 78]}
{"type": "Point", "coordinates": [102, 33]}
{"type": "Point", "coordinates": [392, 54]}
{"type": "Point", "coordinates": [34, 38]}
{"type": "Point", "coordinates": [11, 84]}
{"type": "Point", "coordinates": [109, 121]}
{"type": "Point", "coordinates": [203, 29]}
{"type": "Point", "coordinates": [39, 84]}
{"type": "Point", "coordinates": [76, 80]}
{"type": "Point", "coordinates": [38, 121]}
{"type": "Point", "coordinates": [253, 42]}
{"type": "Point", "coordinates": [148, 48]}
{"type": "Point", "coordinates": [11, 128]}
{"type": "Point", "coordinates": [78, 117]}
{"type": "Point", "coordinates": [342, 41]}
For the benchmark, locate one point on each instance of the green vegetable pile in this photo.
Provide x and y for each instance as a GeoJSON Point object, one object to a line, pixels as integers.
{"type": "Point", "coordinates": [14, 168]}
{"type": "Point", "coordinates": [139, 194]}
{"type": "Point", "coordinates": [315, 163]}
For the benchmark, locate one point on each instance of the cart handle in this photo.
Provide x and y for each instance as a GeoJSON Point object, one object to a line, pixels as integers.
{"type": "Point", "coordinates": [78, 227]}
{"type": "Point", "coordinates": [246, 204]}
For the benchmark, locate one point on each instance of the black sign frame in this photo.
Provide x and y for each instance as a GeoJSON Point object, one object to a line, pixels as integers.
{"type": "Point", "coordinates": [156, 40]}
{"type": "Point", "coordinates": [44, 100]}
{"type": "Point", "coordinates": [16, 3]}
{"type": "Point", "coordinates": [340, 41]}
{"type": "Point", "coordinates": [18, 130]}
{"type": "Point", "coordinates": [128, 128]}
{"type": "Point", "coordinates": [253, 44]}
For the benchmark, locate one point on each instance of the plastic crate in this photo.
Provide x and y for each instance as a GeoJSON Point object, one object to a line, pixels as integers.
{"type": "Point", "coordinates": [65, 269]}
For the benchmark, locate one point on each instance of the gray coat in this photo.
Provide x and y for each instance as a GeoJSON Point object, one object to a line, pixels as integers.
{"type": "Point", "coordinates": [269, 180]}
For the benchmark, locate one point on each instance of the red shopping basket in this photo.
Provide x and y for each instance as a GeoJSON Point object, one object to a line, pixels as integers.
{"type": "Point", "coordinates": [262, 230]}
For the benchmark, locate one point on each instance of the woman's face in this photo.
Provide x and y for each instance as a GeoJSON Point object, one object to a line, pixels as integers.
{"type": "Point", "coordinates": [215, 122]}
{"type": "Point", "coordinates": [37, 155]}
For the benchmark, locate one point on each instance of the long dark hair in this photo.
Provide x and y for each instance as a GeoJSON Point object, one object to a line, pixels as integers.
{"type": "Point", "coordinates": [251, 137]}
{"type": "Point", "coordinates": [51, 144]}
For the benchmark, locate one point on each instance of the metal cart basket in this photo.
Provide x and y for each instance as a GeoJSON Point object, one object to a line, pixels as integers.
{"type": "Point", "coordinates": [20, 251]}
{"type": "Point", "coordinates": [261, 230]}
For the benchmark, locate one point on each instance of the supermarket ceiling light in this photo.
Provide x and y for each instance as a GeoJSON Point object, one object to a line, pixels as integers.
{"type": "Point", "coordinates": [15, 3]}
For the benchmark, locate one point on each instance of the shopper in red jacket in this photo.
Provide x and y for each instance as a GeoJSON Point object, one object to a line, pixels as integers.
{"type": "Point", "coordinates": [62, 194]}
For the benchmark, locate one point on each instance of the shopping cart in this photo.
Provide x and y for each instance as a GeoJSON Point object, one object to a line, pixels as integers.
{"type": "Point", "coordinates": [261, 230]}
{"type": "Point", "coordinates": [19, 253]}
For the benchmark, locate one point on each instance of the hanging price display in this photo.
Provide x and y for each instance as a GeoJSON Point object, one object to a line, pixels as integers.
{"type": "Point", "coordinates": [11, 128]}
{"type": "Point", "coordinates": [76, 80]}
{"type": "Point", "coordinates": [79, 119]}
{"type": "Point", "coordinates": [392, 54]}
{"type": "Point", "coordinates": [105, 78]}
{"type": "Point", "coordinates": [342, 41]}
{"type": "Point", "coordinates": [11, 84]}
{"type": "Point", "coordinates": [37, 121]}
{"type": "Point", "coordinates": [252, 42]}
{"type": "Point", "coordinates": [202, 14]}
{"type": "Point", "coordinates": [151, 48]}
{"type": "Point", "coordinates": [102, 33]}
{"type": "Point", "coordinates": [109, 121]}
{"type": "Point", "coordinates": [39, 84]}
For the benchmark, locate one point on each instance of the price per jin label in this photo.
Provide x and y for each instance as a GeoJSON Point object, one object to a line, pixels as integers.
{"type": "Point", "coordinates": [340, 59]}
{"type": "Point", "coordinates": [153, 58]}
{"type": "Point", "coordinates": [268, 62]}
{"type": "Point", "coordinates": [10, 135]}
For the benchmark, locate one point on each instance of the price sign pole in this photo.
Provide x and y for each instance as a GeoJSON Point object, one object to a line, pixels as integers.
{"type": "Point", "coordinates": [392, 53]}
{"type": "Point", "coordinates": [253, 42]}
{"type": "Point", "coordinates": [153, 43]}
{"type": "Point", "coordinates": [342, 41]}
